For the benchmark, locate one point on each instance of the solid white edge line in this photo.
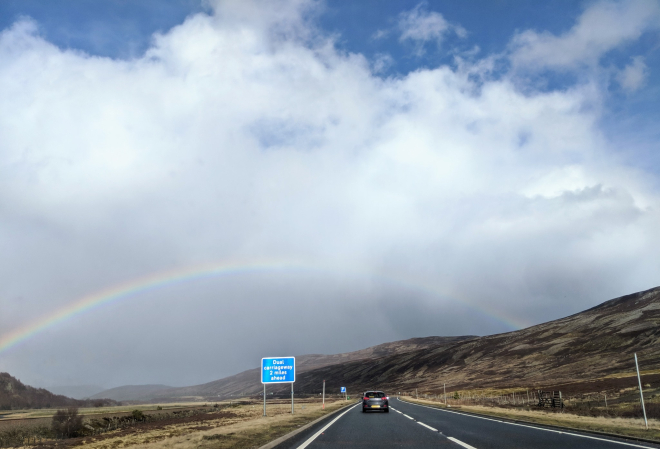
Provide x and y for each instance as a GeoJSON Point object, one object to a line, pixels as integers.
{"type": "Point", "coordinates": [460, 443]}
{"type": "Point", "coordinates": [428, 427]}
{"type": "Point", "coordinates": [313, 437]}
{"type": "Point", "coordinates": [534, 427]}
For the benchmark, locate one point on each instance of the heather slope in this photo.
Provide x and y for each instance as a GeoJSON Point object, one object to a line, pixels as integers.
{"type": "Point", "coordinates": [16, 395]}
{"type": "Point", "coordinates": [588, 345]}
{"type": "Point", "coordinates": [247, 382]}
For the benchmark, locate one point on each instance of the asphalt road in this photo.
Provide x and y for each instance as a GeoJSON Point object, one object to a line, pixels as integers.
{"type": "Point", "coordinates": [410, 425]}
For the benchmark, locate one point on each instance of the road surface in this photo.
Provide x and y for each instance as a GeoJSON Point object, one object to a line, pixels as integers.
{"type": "Point", "coordinates": [411, 425]}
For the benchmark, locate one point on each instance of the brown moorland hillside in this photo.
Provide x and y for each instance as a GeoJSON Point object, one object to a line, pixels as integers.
{"type": "Point", "coordinates": [15, 395]}
{"type": "Point", "coordinates": [589, 345]}
{"type": "Point", "coordinates": [247, 382]}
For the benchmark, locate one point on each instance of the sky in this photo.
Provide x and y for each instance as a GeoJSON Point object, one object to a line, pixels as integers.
{"type": "Point", "coordinates": [186, 186]}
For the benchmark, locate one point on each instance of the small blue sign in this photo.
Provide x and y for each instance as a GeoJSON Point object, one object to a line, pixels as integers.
{"type": "Point", "coordinates": [343, 390]}
{"type": "Point", "coordinates": [278, 370]}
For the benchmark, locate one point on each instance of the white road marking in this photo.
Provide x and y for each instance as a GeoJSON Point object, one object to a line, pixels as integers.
{"type": "Point", "coordinates": [428, 427]}
{"type": "Point", "coordinates": [460, 443]}
{"type": "Point", "coordinates": [409, 417]}
{"type": "Point", "coordinates": [534, 427]}
{"type": "Point", "coordinates": [313, 437]}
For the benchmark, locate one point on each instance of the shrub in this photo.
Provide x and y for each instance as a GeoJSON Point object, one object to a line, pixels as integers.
{"type": "Point", "coordinates": [67, 423]}
{"type": "Point", "coordinates": [138, 415]}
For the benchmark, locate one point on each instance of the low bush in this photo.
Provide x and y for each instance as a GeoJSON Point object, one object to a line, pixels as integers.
{"type": "Point", "coordinates": [67, 423]}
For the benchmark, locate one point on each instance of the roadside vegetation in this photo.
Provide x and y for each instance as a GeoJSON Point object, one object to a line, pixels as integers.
{"type": "Point", "coordinates": [616, 412]}
{"type": "Point", "coordinates": [236, 424]}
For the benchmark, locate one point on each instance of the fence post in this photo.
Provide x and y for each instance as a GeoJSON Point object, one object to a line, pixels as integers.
{"type": "Point", "coordinates": [641, 394]}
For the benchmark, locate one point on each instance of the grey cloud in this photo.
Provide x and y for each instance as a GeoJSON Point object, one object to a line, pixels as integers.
{"type": "Point", "coordinates": [410, 198]}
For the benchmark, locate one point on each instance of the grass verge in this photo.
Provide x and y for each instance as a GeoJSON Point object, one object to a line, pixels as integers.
{"type": "Point", "coordinates": [240, 426]}
{"type": "Point", "coordinates": [625, 427]}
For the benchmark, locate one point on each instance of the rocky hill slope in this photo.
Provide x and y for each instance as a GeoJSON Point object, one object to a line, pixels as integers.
{"type": "Point", "coordinates": [592, 344]}
{"type": "Point", "coordinates": [247, 382]}
{"type": "Point", "coordinates": [130, 392]}
{"type": "Point", "coordinates": [589, 345]}
{"type": "Point", "coordinates": [15, 395]}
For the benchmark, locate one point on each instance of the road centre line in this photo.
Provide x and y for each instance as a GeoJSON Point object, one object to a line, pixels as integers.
{"type": "Point", "coordinates": [313, 437]}
{"type": "Point", "coordinates": [457, 441]}
{"type": "Point", "coordinates": [533, 427]}
{"type": "Point", "coordinates": [428, 427]}
{"type": "Point", "coordinates": [460, 443]}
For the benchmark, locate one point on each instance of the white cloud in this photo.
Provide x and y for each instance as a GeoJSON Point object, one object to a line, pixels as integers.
{"type": "Point", "coordinates": [420, 25]}
{"type": "Point", "coordinates": [382, 62]}
{"type": "Point", "coordinates": [246, 135]}
{"type": "Point", "coordinates": [633, 76]}
{"type": "Point", "coordinates": [603, 26]}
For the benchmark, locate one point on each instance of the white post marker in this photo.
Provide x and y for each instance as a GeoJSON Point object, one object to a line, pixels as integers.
{"type": "Point", "coordinates": [641, 395]}
{"type": "Point", "coordinates": [278, 370]}
{"type": "Point", "coordinates": [323, 394]}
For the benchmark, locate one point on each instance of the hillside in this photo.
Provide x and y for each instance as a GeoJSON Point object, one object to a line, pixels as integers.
{"type": "Point", "coordinates": [588, 345]}
{"type": "Point", "coordinates": [247, 382]}
{"type": "Point", "coordinates": [15, 395]}
{"type": "Point", "coordinates": [76, 391]}
{"type": "Point", "coordinates": [130, 392]}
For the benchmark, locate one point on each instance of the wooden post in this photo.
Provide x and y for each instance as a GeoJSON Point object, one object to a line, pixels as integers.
{"type": "Point", "coordinates": [641, 394]}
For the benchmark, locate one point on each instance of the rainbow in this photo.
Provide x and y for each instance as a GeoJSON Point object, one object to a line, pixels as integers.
{"type": "Point", "coordinates": [169, 278]}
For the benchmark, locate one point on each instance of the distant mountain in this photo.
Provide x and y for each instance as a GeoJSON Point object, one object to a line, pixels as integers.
{"type": "Point", "coordinates": [77, 391]}
{"type": "Point", "coordinates": [15, 395]}
{"type": "Point", "coordinates": [588, 345]}
{"type": "Point", "coordinates": [585, 346]}
{"type": "Point", "coordinates": [247, 382]}
{"type": "Point", "coordinates": [131, 392]}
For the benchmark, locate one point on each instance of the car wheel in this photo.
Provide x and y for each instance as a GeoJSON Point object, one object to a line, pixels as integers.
{"type": "Point", "coordinates": [387, 410]}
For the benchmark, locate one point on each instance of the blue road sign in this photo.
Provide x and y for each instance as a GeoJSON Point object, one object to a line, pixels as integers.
{"type": "Point", "coordinates": [278, 370]}
{"type": "Point", "coordinates": [343, 390]}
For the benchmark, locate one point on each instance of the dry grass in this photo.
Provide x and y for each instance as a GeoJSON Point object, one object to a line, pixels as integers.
{"type": "Point", "coordinates": [632, 427]}
{"type": "Point", "coordinates": [90, 411]}
{"type": "Point", "coordinates": [242, 427]}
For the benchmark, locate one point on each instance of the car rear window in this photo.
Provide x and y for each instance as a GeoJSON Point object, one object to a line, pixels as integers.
{"type": "Point", "coordinates": [374, 394]}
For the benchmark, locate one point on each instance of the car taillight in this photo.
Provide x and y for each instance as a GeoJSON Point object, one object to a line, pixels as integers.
{"type": "Point", "coordinates": [365, 398]}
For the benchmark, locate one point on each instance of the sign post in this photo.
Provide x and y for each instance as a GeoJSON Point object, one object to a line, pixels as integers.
{"type": "Point", "coordinates": [278, 370]}
{"type": "Point", "coordinates": [343, 390]}
{"type": "Point", "coordinates": [641, 395]}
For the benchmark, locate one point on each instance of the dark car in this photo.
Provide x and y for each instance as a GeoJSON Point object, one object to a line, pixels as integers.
{"type": "Point", "coordinates": [375, 400]}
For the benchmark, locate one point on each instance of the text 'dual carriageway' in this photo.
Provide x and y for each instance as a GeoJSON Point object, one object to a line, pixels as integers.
{"type": "Point", "coordinates": [278, 370]}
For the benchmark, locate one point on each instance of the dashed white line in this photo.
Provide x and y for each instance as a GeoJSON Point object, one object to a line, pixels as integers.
{"type": "Point", "coordinates": [530, 427]}
{"type": "Point", "coordinates": [459, 442]}
{"type": "Point", "coordinates": [427, 426]}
